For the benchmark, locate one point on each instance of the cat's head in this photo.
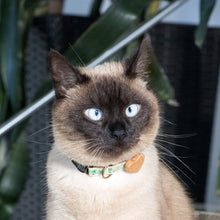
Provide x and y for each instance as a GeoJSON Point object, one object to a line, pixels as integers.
{"type": "Point", "coordinates": [106, 114]}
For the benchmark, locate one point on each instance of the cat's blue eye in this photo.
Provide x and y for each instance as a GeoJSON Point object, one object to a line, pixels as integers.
{"type": "Point", "coordinates": [132, 110]}
{"type": "Point", "coordinates": [94, 114]}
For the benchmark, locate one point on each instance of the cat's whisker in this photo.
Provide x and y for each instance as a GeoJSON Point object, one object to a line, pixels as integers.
{"type": "Point", "coordinates": [177, 135]}
{"type": "Point", "coordinates": [41, 130]}
{"type": "Point", "coordinates": [81, 142]}
{"type": "Point", "coordinates": [68, 148]}
{"type": "Point", "coordinates": [45, 152]}
{"type": "Point", "coordinates": [91, 147]}
{"type": "Point", "coordinates": [37, 142]}
{"type": "Point", "coordinates": [165, 120]}
{"type": "Point", "coordinates": [99, 156]}
{"type": "Point", "coordinates": [172, 135]}
{"type": "Point", "coordinates": [94, 153]}
{"type": "Point", "coordinates": [147, 139]}
{"type": "Point", "coordinates": [174, 144]}
{"type": "Point", "coordinates": [26, 139]}
{"type": "Point", "coordinates": [168, 155]}
{"type": "Point", "coordinates": [171, 153]}
{"type": "Point", "coordinates": [79, 58]}
{"type": "Point", "coordinates": [172, 164]}
{"type": "Point", "coordinates": [50, 126]}
{"type": "Point", "coordinates": [164, 141]}
{"type": "Point", "coordinates": [173, 171]}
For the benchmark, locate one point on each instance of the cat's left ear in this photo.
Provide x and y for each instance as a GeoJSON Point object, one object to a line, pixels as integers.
{"type": "Point", "coordinates": [64, 75]}
{"type": "Point", "coordinates": [136, 65]}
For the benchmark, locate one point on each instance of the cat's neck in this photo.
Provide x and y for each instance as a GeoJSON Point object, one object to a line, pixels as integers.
{"type": "Point", "coordinates": [151, 159]}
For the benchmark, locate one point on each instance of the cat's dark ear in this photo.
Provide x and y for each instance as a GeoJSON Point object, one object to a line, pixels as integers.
{"type": "Point", "coordinates": [64, 75]}
{"type": "Point", "coordinates": [136, 65]}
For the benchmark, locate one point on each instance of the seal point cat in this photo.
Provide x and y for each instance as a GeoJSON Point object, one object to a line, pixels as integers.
{"type": "Point", "coordinates": [101, 117]}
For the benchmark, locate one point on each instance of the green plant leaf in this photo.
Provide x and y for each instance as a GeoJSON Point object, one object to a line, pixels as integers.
{"type": "Point", "coordinates": [106, 31]}
{"type": "Point", "coordinates": [121, 17]}
{"type": "Point", "coordinates": [158, 79]}
{"type": "Point", "coordinates": [5, 210]}
{"type": "Point", "coordinates": [153, 9]}
{"type": "Point", "coordinates": [206, 8]}
{"type": "Point", "coordinates": [16, 17]}
{"type": "Point", "coordinates": [15, 174]}
{"type": "Point", "coordinates": [159, 82]}
{"type": "Point", "coordinates": [132, 47]}
{"type": "Point", "coordinates": [95, 13]}
{"type": "Point", "coordinates": [36, 8]}
{"type": "Point", "coordinates": [3, 153]}
{"type": "Point", "coordinates": [32, 5]}
{"type": "Point", "coordinates": [27, 10]}
{"type": "Point", "coordinates": [8, 52]}
{"type": "Point", "coordinates": [3, 103]}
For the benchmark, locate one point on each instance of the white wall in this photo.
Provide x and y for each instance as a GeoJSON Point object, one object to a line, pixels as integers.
{"type": "Point", "coordinates": [77, 7]}
{"type": "Point", "coordinates": [186, 14]}
{"type": "Point", "coordinates": [189, 14]}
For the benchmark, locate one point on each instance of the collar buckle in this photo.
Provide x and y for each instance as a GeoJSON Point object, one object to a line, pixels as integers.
{"type": "Point", "coordinates": [103, 173]}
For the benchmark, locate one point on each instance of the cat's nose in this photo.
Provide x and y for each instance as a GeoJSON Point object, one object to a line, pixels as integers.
{"type": "Point", "coordinates": [119, 134]}
{"type": "Point", "coordinates": [118, 131]}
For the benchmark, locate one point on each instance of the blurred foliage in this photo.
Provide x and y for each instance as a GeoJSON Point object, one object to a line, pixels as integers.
{"type": "Point", "coordinates": [16, 17]}
{"type": "Point", "coordinates": [206, 8]}
{"type": "Point", "coordinates": [122, 17]}
{"type": "Point", "coordinates": [109, 28]}
{"type": "Point", "coordinates": [95, 10]}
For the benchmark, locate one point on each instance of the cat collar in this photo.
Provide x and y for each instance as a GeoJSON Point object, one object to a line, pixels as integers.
{"type": "Point", "coordinates": [131, 166]}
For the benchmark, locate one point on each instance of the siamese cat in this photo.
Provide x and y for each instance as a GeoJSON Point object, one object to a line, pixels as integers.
{"type": "Point", "coordinates": [103, 163]}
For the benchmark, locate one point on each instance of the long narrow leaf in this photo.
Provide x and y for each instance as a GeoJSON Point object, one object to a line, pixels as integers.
{"type": "Point", "coordinates": [159, 81]}
{"type": "Point", "coordinates": [206, 8]}
{"type": "Point", "coordinates": [8, 47]}
{"type": "Point", "coordinates": [95, 9]}
{"type": "Point", "coordinates": [15, 174]}
{"type": "Point", "coordinates": [3, 103]}
{"type": "Point", "coordinates": [120, 18]}
{"type": "Point", "coordinates": [16, 17]}
{"type": "Point", "coordinates": [5, 210]}
{"type": "Point", "coordinates": [13, 177]}
{"type": "Point", "coordinates": [153, 9]}
{"type": "Point", "coordinates": [3, 153]}
{"type": "Point", "coordinates": [108, 29]}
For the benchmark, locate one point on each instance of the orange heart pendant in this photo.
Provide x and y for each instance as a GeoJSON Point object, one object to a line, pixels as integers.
{"type": "Point", "coordinates": [134, 164]}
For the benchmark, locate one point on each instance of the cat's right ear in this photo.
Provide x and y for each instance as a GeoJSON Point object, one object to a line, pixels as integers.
{"type": "Point", "coordinates": [64, 75]}
{"type": "Point", "coordinates": [136, 65]}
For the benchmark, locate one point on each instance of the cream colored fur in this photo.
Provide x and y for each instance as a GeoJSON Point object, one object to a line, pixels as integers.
{"type": "Point", "coordinates": [151, 194]}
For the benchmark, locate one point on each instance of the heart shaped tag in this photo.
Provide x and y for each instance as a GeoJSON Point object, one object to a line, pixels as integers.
{"type": "Point", "coordinates": [134, 164]}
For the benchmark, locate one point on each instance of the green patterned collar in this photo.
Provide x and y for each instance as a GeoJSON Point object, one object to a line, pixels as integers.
{"type": "Point", "coordinates": [131, 166]}
{"type": "Point", "coordinates": [106, 172]}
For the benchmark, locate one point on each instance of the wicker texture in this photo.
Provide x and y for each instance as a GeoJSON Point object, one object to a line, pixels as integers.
{"type": "Point", "coordinates": [193, 73]}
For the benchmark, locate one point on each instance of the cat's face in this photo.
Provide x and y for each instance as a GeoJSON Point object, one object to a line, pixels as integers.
{"type": "Point", "coordinates": [105, 114]}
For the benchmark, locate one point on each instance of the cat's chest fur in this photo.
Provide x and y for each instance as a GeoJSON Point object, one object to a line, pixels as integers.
{"type": "Point", "coordinates": [122, 196]}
